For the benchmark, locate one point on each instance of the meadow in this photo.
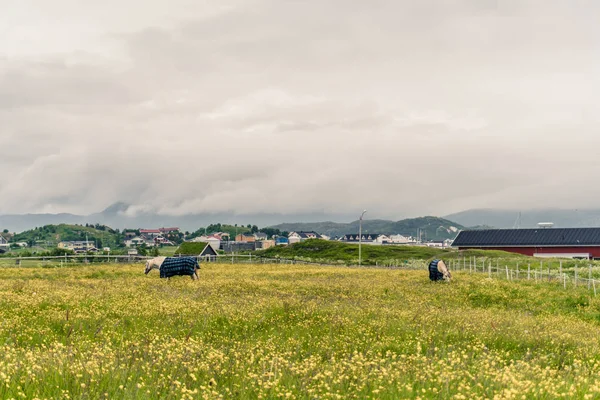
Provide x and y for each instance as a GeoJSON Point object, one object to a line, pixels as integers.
{"type": "Point", "coordinates": [292, 332]}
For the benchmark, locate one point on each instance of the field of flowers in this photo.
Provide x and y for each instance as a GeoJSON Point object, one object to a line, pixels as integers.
{"type": "Point", "coordinates": [292, 331]}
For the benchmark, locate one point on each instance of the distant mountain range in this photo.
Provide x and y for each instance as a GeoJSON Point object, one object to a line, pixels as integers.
{"type": "Point", "coordinates": [429, 228]}
{"type": "Point", "coordinates": [115, 217]}
{"type": "Point", "coordinates": [574, 218]}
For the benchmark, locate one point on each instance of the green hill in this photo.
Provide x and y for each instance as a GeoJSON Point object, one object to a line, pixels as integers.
{"type": "Point", "coordinates": [51, 235]}
{"type": "Point", "coordinates": [430, 228]}
{"type": "Point", "coordinates": [328, 251]}
{"type": "Point", "coordinates": [333, 252]}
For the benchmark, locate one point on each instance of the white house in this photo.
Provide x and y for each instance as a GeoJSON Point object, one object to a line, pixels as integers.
{"type": "Point", "coordinates": [214, 242]}
{"type": "Point", "coordinates": [149, 241]}
{"type": "Point", "coordinates": [366, 238]}
{"type": "Point", "coordinates": [81, 246]}
{"type": "Point", "coordinates": [138, 241]}
{"type": "Point", "coordinates": [400, 239]}
{"type": "Point", "coordinates": [295, 237]}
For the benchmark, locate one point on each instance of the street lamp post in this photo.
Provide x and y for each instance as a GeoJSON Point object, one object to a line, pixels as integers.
{"type": "Point", "coordinates": [360, 236]}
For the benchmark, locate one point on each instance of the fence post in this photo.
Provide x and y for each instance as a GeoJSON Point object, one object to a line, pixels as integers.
{"type": "Point", "coordinates": [528, 271]}
{"type": "Point", "coordinates": [560, 268]}
{"type": "Point", "coordinates": [589, 276]}
{"type": "Point", "coordinates": [490, 269]}
{"type": "Point", "coordinates": [565, 280]}
{"type": "Point", "coordinates": [576, 276]}
{"type": "Point", "coordinates": [594, 283]}
{"type": "Point", "coordinates": [506, 266]}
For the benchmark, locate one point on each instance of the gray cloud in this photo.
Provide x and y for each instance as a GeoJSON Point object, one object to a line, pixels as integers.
{"type": "Point", "coordinates": [401, 107]}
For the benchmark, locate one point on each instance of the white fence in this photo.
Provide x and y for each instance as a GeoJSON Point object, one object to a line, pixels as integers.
{"type": "Point", "coordinates": [34, 261]}
{"type": "Point", "coordinates": [568, 274]}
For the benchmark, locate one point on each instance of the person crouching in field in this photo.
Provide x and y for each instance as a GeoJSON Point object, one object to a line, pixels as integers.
{"type": "Point", "coordinates": [438, 271]}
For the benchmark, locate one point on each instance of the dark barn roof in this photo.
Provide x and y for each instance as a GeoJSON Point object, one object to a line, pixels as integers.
{"type": "Point", "coordinates": [551, 237]}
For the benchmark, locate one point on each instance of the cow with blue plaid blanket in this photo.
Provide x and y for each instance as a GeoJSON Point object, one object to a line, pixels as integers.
{"type": "Point", "coordinates": [173, 266]}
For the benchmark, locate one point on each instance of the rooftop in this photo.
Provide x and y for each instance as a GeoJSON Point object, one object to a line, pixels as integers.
{"type": "Point", "coordinates": [551, 237]}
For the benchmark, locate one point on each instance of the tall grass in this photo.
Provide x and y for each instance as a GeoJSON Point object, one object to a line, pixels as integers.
{"type": "Point", "coordinates": [292, 331]}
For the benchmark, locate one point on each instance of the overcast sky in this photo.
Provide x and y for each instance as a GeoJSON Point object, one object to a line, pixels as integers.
{"type": "Point", "coordinates": [402, 107]}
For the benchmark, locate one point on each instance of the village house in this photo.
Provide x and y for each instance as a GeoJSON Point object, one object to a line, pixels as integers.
{"type": "Point", "coordinates": [295, 237]}
{"type": "Point", "coordinates": [281, 241]}
{"type": "Point", "coordinates": [4, 245]}
{"type": "Point", "coordinates": [260, 236]}
{"type": "Point", "coordinates": [137, 241]}
{"type": "Point", "coordinates": [209, 253]}
{"type": "Point", "coordinates": [150, 233]}
{"type": "Point", "coordinates": [213, 240]}
{"type": "Point", "coordinates": [150, 240]}
{"type": "Point", "coordinates": [265, 244]}
{"type": "Point", "coordinates": [80, 246]}
{"type": "Point", "coordinates": [245, 238]}
{"type": "Point", "coordinates": [166, 231]}
{"type": "Point", "coordinates": [401, 239]}
{"type": "Point", "coordinates": [367, 238]}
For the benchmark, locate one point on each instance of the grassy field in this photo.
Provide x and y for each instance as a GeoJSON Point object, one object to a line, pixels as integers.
{"type": "Point", "coordinates": [292, 331]}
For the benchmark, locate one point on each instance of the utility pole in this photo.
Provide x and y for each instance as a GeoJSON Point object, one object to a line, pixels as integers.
{"type": "Point", "coordinates": [360, 236]}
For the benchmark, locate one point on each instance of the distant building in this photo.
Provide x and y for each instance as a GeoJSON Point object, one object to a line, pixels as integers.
{"type": "Point", "coordinates": [129, 235]}
{"type": "Point", "coordinates": [401, 239]}
{"type": "Point", "coordinates": [82, 246]}
{"type": "Point", "coordinates": [245, 237]}
{"type": "Point", "coordinates": [237, 247]}
{"type": "Point", "coordinates": [281, 241]}
{"type": "Point", "coordinates": [537, 242]}
{"type": "Point", "coordinates": [166, 231]}
{"type": "Point", "coordinates": [151, 239]}
{"type": "Point", "coordinates": [4, 245]}
{"type": "Point", "coordinates": [368, 238]}
{"type": "Point", "coordinates": [213, 240]}
{"type": "Point", "coordinates": [151, 233]}
{"type": "Point", "coordinates": [265, 244]}
{"type": "Point", "coordinates": [295, 237]}
{"type": "Point", "coordinates": [260, 236]}
{"type": "Point", "coordinates": [209, 253]}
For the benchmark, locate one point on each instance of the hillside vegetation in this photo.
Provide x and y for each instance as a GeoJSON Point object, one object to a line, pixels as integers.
{"type": "Point", "coordinates": [190, 248]}
{"type": "Point", "coordinates": [51, 235]}
{"type": "Point", "coordinates": [327, 251]}
{"type": "Point", "coordinates": [432, 228]}
{"type": "Point", "coordinates": [232, 230]}
{"type": "Point", "coordinates": [294, 332]}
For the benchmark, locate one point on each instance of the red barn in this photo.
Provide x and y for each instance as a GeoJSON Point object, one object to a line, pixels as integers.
{"type": "Point", "coordinates": [538, 242]}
